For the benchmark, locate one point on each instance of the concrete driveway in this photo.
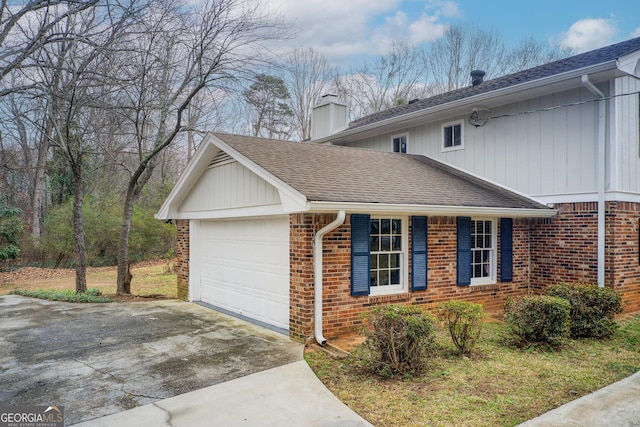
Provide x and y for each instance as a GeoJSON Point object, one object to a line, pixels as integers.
{"type": "Point", "coordinates": [100, 359]}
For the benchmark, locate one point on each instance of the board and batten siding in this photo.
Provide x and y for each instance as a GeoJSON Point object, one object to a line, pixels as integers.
{"type": "Point", "coordinates": [537, 152]}
{"type": "Point", "coordinates": [227, 186]}
{"type": "Point", "coordinates": [626, 135]}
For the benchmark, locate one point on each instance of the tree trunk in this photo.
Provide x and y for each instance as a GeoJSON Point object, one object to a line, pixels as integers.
{"type": "Point", "coordinates": [124, 285]}
{"type": "Point", "coordinates": [78, 231]}
{"type": "Point", "coordinates": [37, 201]}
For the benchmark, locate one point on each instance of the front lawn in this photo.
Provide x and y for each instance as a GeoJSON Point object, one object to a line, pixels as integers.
{"type": "Point", "coordinates": [500, 385]}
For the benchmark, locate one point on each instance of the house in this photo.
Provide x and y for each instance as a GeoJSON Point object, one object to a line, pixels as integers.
{"type": "Point", "coordinates": [486, 192]}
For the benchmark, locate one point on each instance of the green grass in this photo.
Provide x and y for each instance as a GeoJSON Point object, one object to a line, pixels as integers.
{"type": "Point", "coordinates": [92, 295]}
{"type": "Point", "coordinates": [499, 385]}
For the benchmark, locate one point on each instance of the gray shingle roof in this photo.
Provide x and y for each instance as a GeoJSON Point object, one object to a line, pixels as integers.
{"type": "Point", "coordinates": [594, 57]}
{"type": "Point", "coordinates": [343, 174]}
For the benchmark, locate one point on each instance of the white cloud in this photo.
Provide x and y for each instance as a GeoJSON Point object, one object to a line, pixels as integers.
{"type": "Point", "coordinates": [589, 33]}
{"type": "Point", "coordinates": [343, 28]}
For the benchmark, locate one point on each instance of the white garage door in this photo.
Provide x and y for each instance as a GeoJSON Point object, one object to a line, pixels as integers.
{"type": "Point", "coordinates": [245, 268]}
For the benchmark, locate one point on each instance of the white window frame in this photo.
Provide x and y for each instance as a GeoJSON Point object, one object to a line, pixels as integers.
{"type": "Point", "coordinates": [493, 265]}
{"type": "Point", "coordinates": [451, 125]}
{"type": "Point", "coordinates": [404, 260]}
{"type": "Point", "coordinates": [406, 142]}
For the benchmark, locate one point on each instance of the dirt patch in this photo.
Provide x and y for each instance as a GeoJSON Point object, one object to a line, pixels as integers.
{"type": "Point", "coordinates": [152, 280]}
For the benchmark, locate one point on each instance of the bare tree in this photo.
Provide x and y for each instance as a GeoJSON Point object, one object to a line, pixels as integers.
{"type": "Point", "coordinates": [181, 49]}
{"type": "Point", "coordinates": [462, 50]}
{"type": "Point", "coordinates": [27, 27]}
{"type": "Point", "coordinates": [531, 53]}
{"type": "Point", "coordinates": [394, 79]}
{"type": "Point", "coordinates": [308, 77]}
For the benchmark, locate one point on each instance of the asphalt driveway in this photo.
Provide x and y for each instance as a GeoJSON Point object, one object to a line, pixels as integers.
{"type": "Point", "coordinates": [100, 359]}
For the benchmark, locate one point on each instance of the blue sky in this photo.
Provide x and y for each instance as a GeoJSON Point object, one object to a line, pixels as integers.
{"type": "Point", "coordinates": [346, 31]}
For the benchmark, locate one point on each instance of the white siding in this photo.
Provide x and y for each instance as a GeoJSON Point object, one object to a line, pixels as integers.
{"type": "Point", "coordinates": [626, 135]}
{"type": "Point", "coordinates": [227, 186]}
{"type": "Point", "coordinates": [536, 152]}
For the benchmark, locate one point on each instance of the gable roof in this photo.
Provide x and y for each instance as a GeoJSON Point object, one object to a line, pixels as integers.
{"type": "Point", "coordinates": [605, 55]}
{"type": "Point", "coordinates": [345, 175]}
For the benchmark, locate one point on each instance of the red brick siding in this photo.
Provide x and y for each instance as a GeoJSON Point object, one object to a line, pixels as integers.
{"type": "Point", "coordinates": [342, 312]}
{"type": "Point", "coordinates": [565, 248]}
{"type": "Point", "coordinates": [622, 263]}
{"type": "Point", "coordinates": [182, 258]}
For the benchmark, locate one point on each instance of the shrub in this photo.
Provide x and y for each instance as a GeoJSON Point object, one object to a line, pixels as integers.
{"type": "Point", "coordinates": [464, 321]}
{"type": "Point", "coordinates": [399, 338]}
{"type": "Point", "coordinates": [592, 308]}
{"type": "Point", "coordinates": [539, 319]}
{"type": "Point", "coordinates": [92, 295]}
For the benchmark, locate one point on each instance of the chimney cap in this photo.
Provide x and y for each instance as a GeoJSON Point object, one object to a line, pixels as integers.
{"type": "Point", "coordinates": [477, 77]}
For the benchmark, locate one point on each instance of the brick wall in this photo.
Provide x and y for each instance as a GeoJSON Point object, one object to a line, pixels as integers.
{"type": "Point", "coordinates": [565, 248]}
{"type": "Point", "coordinates": [182, 258]}
{"type": "Point", "coordinates": [342, 312]}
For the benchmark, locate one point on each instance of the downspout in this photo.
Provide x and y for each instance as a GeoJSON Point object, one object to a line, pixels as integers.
{"type": "Point", "coordinates": [317, 274]}
{"type": "Point", "coordinates": [601, 177]}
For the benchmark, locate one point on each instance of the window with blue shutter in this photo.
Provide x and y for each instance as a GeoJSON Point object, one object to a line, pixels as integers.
{"type": "Point", "coordinates": [464, 252]}
{"type": "Point", "coordinates": [360, 266]}
{"type": "Point", "coordinates": [419, 253]}
{"type": "Point", "coordinates": [506, 249]}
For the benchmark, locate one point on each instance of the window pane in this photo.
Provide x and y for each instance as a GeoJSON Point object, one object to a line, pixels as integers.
{"type": "Point", "coordinates": [477, 242]}
{"type": "Point", "coordinates": [373, 259]}
{"type": "Point", "coordinates": [396, 145]}
{"type": "Point", "coordinates": [487, 227]}
{"type": "Point", "coordinates": [394, 261]}
{"type": "Point", "coordinates": [448, 137]}
{"type": "Point", "coordinates": [457, 135]}
{"type": "Point", "coordinates": [373, 278]}
{"type": "Point", "coordinates": [374, 241]}
{"type": "Point", "coordinates": [477, 270]}
{"type": "Point", "coordinates": [375, 226]}
{"type": "Point", "coordinates": [395, 277]}
{"type": "Point", "coordinates": [396, 226]}
{"type": "Point", "coordinates": [385, 226]}
{"type": "Point", "coordinates": [384, 278]}
{"type": "Point", "coordinates": [477, 257]}
{"type": "Point", "coordinates": [487, 241]}
{"type": "Point", "coordinates": [397, 243]}
{"type": "Point", "coordinates": [385, 243]}
{"type": "Point", "coordinates": [383, 261]}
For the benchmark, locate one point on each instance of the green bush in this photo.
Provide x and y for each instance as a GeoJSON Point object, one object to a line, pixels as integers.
{"type": "Point", "coordinates": [92, 295]}
{"type": "Point", "coordinates": [464, 320]}
{"type": "Point", "coordinates": [399, 338]}
{"type": "Point", "coordinates": [592, 308]}
{"type": "Point", "coordinates": [539, 319]}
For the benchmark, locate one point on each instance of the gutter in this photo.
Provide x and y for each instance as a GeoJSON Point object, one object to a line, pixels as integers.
{"type": "Point", "coordinates": [602, 179]}
{"type": "Point", "coordinates": [317, 275]}
{"type": "Point", "coordinates": [407, 209]}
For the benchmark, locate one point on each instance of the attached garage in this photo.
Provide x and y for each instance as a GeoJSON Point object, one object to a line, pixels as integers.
{"type": "Point", "coordinates": [242, 266]}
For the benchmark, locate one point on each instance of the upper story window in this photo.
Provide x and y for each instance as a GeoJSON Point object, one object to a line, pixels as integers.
{"type": "Point", "coordinates": [483, 251]}
{"type": "Point", "coordinates": [399, 143]}
{"type": "Point", "coordinates": [452, 137]}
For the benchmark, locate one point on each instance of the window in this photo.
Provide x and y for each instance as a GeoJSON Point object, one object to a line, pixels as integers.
{"type": "Point", "coordinates": [379, 260]}
{"type": "Point", "coordinates": [452, 136]}
{"type": "Point", "coordinates": [400, 143]}
{"type": "Point", "coordinates": [483, 251]}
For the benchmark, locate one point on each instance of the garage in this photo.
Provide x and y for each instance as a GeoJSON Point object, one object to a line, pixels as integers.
{"type": "Point", "coordinates": [243, 267]}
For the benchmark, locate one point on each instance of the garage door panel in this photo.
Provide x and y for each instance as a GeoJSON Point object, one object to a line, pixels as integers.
{"type": "Point", "coordinates": [245, 268]}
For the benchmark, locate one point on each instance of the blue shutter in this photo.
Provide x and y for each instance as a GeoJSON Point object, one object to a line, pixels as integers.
{"type": "Point", "coordinates": [464, 251]}
{"type": "Point", "coordinates": [506, 249]}
{"type": "Point", "coordinates": [360, 226]}
{"type": "Point", "coordinates": [419, 253]}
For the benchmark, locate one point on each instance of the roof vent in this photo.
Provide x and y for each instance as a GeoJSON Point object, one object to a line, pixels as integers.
{"type": "Point", "coordinates": [477, 77]}
{"type": "Point", "coordinates": [413, 101]}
